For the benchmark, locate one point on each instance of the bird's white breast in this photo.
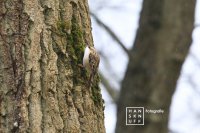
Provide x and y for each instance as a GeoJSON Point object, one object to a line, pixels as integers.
{"type": "Point", "coordinates": [86, 57]}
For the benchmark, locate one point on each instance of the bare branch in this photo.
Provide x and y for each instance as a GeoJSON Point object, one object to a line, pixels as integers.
{"type": "Point", "coordinates": [108, 66]}
{"type": "Point", "coordinates": [112, 34]}
{"type": "Point", "coordinates": [196, 25]}
{"type": "Point", "coordinates": [193, 85]}
{"type": "Point", "coordinates": [112, 92]}
{"type": "Point", "coordinates": [196, 59]}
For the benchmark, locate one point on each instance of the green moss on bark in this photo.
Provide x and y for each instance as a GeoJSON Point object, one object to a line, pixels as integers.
{"type": "Point", "coordinates": [96, 92]}
{"type": "Point", "coordinates": [76, 48]}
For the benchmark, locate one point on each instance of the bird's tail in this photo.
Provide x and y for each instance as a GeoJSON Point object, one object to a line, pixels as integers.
{"type": "Point", "coordinates": [90, 81]}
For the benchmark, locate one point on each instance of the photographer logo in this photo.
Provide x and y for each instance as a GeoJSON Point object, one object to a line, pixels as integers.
{"type": "Point", "coordinates": [134, 115]}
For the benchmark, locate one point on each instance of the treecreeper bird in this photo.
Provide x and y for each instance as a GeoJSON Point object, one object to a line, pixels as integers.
{"type": "Point", "coordinates": [91, 61]}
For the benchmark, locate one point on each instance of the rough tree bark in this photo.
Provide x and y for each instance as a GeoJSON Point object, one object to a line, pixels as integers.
{"type": "Point", "coordinates": [42, 86]}
{"type": "Point", "coordinates": [161, 45]}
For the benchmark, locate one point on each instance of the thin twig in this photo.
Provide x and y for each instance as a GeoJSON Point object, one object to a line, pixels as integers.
{"type": "Point", "coordinates": [193, 85]}
{"type": "Point", "coordinates": [111, 33]}
{"type": "Point", "coordinates": [195, 58]}
{"type": "Point", "coordinates": [111, 91]}
{"type": "Point", "coordinates": [196, 25]}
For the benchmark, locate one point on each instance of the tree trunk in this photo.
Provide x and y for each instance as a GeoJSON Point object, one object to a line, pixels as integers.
{"type": "Point", "coordinates": [42, 86]}
{"type": "Point", "coordinates": [161, 45]}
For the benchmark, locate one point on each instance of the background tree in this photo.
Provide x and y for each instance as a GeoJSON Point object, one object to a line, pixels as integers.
{"type": "Point", "coordinates": [42, 86]}
{"type": "Point", "coordinates": [161, 45]}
